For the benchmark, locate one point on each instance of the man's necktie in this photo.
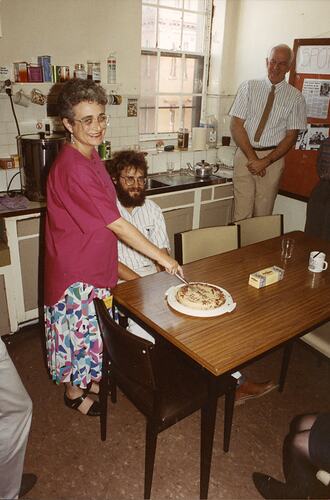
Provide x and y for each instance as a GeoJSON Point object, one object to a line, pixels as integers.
{"type": "Point", "coordinates": [265, 114]}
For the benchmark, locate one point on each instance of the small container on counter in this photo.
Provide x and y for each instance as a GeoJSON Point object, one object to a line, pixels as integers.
{"type": "Point", "coordinates": [183, 139]}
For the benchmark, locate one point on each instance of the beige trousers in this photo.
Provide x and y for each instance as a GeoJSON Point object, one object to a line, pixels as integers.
{"type": "Point", "coordinates": [255, 195]}
{"type": "Point", "coordinates": [15, 421]}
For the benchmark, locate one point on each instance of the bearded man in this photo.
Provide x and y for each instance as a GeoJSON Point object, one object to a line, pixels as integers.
{"type": "Point", "coordinates": [128, 170]}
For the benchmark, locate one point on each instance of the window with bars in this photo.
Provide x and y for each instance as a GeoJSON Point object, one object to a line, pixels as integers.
{"type": "Point", "coordinates": [175, 43]}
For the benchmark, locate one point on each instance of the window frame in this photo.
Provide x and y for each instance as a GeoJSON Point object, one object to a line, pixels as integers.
{"type": "Point", "coordinates": [158, 52]}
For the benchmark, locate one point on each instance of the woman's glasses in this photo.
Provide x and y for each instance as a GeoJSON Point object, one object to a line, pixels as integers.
{"type": "Point", "coordinates": [130, 180]}
{"type": "Point", "coordinates": [87, 121]}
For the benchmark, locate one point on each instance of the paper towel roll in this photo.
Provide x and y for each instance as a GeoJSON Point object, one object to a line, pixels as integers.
{"type": "Point", "coordinates": [198, 138]}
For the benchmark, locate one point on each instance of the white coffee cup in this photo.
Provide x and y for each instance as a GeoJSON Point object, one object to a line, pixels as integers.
{"type": "Point", "coordinates": [317, 262]}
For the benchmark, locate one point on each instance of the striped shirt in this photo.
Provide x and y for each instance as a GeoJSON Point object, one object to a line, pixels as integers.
{"type": "Point", "coordinates": [150, 221]}
{"type": "Point", "coordinates": [288, 111]}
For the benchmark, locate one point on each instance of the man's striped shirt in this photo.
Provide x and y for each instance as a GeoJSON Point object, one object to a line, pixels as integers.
{"type": "Point", "coordinates": [288, 111]}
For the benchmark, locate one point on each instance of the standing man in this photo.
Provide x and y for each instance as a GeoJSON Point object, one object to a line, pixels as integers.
{"type": "Point", "coordinates": [266, 118]}
{"type": "Point", "coordinates": [15, 422]}
{"type": "Point", "coordinates": [129, 172]}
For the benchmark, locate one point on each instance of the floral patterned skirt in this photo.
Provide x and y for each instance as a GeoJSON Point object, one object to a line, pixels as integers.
{"type": "Point", "coordinates": [73, 339]}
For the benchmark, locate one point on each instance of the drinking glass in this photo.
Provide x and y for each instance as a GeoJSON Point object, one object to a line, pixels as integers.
{"type": "Point", "coordinates": [287, 248]}
{"type": "Point", "coordinates": [170, 167]}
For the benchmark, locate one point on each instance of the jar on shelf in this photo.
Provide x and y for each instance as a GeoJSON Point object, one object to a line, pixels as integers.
{"type": "Point", "coordinates": [94, 71]}
{"type": "Point", "coordinates": [80, 72]}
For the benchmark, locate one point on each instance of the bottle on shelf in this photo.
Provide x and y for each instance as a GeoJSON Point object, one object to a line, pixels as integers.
{"type": "Point", "coordinates": [94, 71]}
{"type": "Point", "coordinates": [79, 71]}
{"type": "Point", "coordinates": [111, 68]}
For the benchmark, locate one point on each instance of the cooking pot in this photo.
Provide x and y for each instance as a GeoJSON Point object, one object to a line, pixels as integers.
{"type": "Point", "coordinates": [202, 169]}
{"type": "Point", "coordinates": [37, 153]}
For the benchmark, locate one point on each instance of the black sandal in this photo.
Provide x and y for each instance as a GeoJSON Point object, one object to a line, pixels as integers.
{"type": "Point", "coordinates": [94, 410]}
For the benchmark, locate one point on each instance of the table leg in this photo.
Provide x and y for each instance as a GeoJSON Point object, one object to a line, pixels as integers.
{"type": "Point", "coordinates": [285, 364]}
{"type": "Point", "coordinates": [229, 412]}
{"type": "Point", "coordinates": [208, 416]}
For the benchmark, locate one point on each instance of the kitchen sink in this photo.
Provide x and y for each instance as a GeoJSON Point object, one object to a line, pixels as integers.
{"type": "Point", "coordinates": [154, 183]}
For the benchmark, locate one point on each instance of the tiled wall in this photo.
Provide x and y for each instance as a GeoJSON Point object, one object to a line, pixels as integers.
{"type": "Point", "coordinates": [122, 132]}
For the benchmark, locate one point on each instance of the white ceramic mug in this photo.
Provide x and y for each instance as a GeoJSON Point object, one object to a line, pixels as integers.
{"type": "Point", "coordinates": [317, 262]}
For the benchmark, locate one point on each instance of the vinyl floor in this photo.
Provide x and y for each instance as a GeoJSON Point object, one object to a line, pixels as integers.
{"type": "Point", "coordinates": [71, 462]}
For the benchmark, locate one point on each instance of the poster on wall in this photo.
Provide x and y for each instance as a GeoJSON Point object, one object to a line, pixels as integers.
{"type": "Point", "coordinates": [313, 59]}
{"type": "Point", "coordinates": [317, 95]}
{"type": "Point", "coordinates": [312, 137]}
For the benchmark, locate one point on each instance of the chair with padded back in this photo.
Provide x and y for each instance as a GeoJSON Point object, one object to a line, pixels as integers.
{"type": "Point", "coordinates": [319, 339]}
{"type": "Point", "coordinates": [205, 242]}
{"type": "Point", "coordinates": [261, 228]}
{"type": "Point", "coordinates": [163, 385]}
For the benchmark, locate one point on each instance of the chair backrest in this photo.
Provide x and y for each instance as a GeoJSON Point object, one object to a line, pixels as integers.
{"type": "Point", "coordinates": [199, 243]}
{"type": "Point", "coordinates": [260, 228]}
{"type": "Point", "coordinates": [128, 354]}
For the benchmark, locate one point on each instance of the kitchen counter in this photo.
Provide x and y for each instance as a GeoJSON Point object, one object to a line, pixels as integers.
{"type": "Point", "coordinates": [157, 184]}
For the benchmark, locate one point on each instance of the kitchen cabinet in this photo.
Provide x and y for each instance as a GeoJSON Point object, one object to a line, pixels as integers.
{"type": "Point", "coordinates": [4, 312]}
{"type": "Point", "coordinates": [24, 277]}
{"type": "Point", "coordinates": [194, 208]}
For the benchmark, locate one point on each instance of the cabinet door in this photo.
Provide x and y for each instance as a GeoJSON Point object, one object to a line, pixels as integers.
{"type": "Point", "coordinates": [31, 263]}
{"type": "Point", "coordinates": [217, 213]}
{"type": "Point", "coordinates": [4, 314]}
{"type": "Point", "coordinates": [177, 221]}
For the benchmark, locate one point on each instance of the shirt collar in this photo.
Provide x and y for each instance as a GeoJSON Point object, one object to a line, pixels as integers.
{"type": "Point", "coordinates": [278, 86]}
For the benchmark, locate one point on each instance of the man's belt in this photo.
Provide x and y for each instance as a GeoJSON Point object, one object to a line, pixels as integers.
{"type": "Point", "coordinates": [265, 149]}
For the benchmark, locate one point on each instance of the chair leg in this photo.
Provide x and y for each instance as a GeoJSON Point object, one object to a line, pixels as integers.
{"type": "Point", "coordinates": [104, 385]}
{"type": "Point", "coordinates": [285, 364]}
{"type": "Point", "coordinates": [150, 452]}
{"type": "Point", "coordinates": [208, 416]}
{"type": "Point", "coordinates": [229, 412]}
{"type": "Point", "coordinates": [112, 388]}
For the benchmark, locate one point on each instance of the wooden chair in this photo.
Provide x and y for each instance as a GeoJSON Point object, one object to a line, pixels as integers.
{"type": "Point", "coordinates": [319, 340]}
{"type": "Point", "coordinates": [162, 385]}
{"type": "Point", "coordinates": [261, 228]}
{"type": "Point", "coordinates": [200, 243]}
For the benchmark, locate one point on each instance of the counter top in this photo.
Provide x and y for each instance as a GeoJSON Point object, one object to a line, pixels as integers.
{"type": "Point", "coordinates": [157, 184]}
{"type": "Point", "coordinates": [179, 182]}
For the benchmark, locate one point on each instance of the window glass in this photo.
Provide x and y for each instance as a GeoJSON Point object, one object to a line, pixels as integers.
{"type": "Point", "coordinates": [149, 23]}
{"type": "Point", "coordinates": [168, 115]}
{"type": "Point", "coordinates": [170, 73]}
{"type": "Point", "coordinates": [147, 114]}
{"type": "Point", "coordinates": [169, 29]}
{"type": "Point", "coordinates": [175, 35]}
{"type": "Point", "coordinates": [193, 32]}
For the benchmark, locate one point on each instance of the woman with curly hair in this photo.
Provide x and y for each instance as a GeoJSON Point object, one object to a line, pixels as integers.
{"type": "Point", "coordinates": [82, 227]}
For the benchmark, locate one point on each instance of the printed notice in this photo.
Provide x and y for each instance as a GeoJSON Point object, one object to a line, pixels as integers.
{"type": "Point", "coordinates": [313, 59]}
{"type": "Point", "coordinates": [316, 93]}
{"type": "Point", "coordinates": [312, 137]}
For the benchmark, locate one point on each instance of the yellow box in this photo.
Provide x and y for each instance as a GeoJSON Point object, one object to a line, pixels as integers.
{"type": "Point", "coordinates": [266, 276]}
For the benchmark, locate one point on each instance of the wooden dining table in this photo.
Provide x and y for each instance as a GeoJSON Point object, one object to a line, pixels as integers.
{"type": "Point", "coordinates": [263, 319]}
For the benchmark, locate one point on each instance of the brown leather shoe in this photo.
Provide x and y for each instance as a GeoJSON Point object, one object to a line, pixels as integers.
{"type": "Point", "coordinates": [252, 390]}
{"type": "Point", "coordinates": [28, 481]}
